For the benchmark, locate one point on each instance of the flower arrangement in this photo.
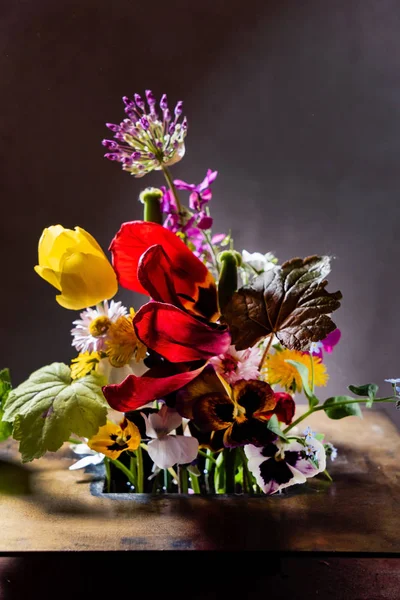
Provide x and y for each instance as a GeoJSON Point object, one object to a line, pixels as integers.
{"type": "Point", "coordinates": [196, 391]}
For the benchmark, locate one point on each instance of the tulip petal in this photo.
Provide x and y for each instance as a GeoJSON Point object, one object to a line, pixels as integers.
{"type": "Point", "coordinates": [166, 283]}
{"type": "Point", "coordinates": [69, 241]}
{"type": "Point", "coordinates": [192, 280]}
{"type": "Point", "coordinates": [46, 242]}
{"type": "Point", "coordinates": [86, 279]}
{"type": "Point", "coordinates": [49, 276]}
{"type": "Point", "coordinates": [178, 336]}
{"type": "Point", "coordinates": [134, 392]}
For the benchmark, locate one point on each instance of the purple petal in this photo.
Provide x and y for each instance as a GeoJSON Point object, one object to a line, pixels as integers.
{"type": "Point", "coordinates": [182, 185]}
{"type": "Point", "coordinates": [331, 340]}
{"type": "Point", "coordinates": [218, 238]}
{"type": "Point", "coordinates": [205, 222]}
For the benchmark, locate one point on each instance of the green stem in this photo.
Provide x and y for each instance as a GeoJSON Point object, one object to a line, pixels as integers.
{"type": "Point", "coordinates": [73, 441]}
{"type": "Point", "coordinates": [108, 474]}
{"type": "Point", "coordinates": [207, 237]}
{"type": "Point", "coordinates": [172, 187]}
{"type": "Point", "coordinates": [140, 470]}
{"type": "Point", "coordinates": [229, 460]}
{"type": "Point", "coordinates": [312, 372]}
{"type": "Point", "coordinates": [124, 469]}
{"type": "Point", "coordinates": [195, 483]}
{"type": "Point", "coordinates": [133, 467]}
{"type": "Point", "coordinates": [174, 474]}
{"type": "Point", "coordinates": [183, 482]}
{"type": "Point", "coordinates": [265, 353]}
{"type": "Point", "coordinates": [327, 475]}
{"type": "Point", "coordinates": [336, 405]}
{"type": "Point", "coordinates": [210, 460]}
{"type": "Point", "coordinates": [208, 456]}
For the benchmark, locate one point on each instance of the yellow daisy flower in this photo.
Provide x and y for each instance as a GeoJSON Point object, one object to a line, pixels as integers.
{"type": "Point", "coordinates": [122, 343]}
{"type": "Point", "coordinates": [84, 363]}
{"type": "Point", "coordinates": [277, 370]}
{"type": "Point", "coordinates": [112, 439]}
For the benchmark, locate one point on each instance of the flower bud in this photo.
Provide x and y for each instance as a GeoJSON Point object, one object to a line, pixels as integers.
{"type": "Point", "coordinates": [227, 286]}
{"type": "Point", "coordinates": [151, 198]}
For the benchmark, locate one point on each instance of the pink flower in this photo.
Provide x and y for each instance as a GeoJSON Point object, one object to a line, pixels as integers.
{"type": "Point", "coordinates": [326, 345]}
{"type": "Point", "coordinates": [237, 364]}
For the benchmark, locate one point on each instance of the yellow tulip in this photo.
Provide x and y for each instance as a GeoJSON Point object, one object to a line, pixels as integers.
{"type": "Point", "coordinates": [73, 262]}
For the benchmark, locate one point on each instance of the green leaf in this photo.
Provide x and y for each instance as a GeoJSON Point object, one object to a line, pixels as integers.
{"type": "Point", "coordinates": [5, 388]}
{"type": "Point", "coordinates": [273, 425]}
{"type": "Point", "coordinates": [369, 389]}
{"type": "Point", "coordinates": [47, 408]}
{"type": "Point", "coordinates": [303, 372]}
{"type": "Point", "coordinates": [334, 408]}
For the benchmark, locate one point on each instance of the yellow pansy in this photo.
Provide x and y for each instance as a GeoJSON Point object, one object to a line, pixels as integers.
{"type": "Point", "coordinates": [112, 439]}
{"type": "Point", "coordinates": [73, 262]}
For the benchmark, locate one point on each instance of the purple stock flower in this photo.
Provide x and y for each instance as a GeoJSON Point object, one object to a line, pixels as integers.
{"type": "Point", "coordinates": [201, 193]}
{"type": "Point", "coordinates": [146, 142]}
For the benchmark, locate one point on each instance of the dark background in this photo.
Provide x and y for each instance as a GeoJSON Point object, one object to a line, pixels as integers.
{"type": "Point", "coordinates": [297, 104]}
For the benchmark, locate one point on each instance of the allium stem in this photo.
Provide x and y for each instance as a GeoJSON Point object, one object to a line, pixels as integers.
{"type": "Point", "coordinates": [172, 187]}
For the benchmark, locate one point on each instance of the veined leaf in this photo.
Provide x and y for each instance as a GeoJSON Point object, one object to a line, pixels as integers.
{"type": "Point", "coordinates": [335, 410]}
{"type": "Point", "coordinates": [47, 408]}
{"type": "Point", "coordinates": [273, 425]}
{"type": "Point", "coordinates": [304, 374]}
{"type": "Point", "coordinates": [289, 301]}
{"type": "Point", "coordinates": [369, 390]}
{"type": "Point", "coordinates": [5, 388]}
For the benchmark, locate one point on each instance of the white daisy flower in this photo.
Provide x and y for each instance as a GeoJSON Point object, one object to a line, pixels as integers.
{"type": "Point", "coordinates": [90, 331]}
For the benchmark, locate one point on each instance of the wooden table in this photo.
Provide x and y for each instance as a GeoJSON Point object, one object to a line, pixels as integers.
{"type": "Point", "coordinates": [46, 507]}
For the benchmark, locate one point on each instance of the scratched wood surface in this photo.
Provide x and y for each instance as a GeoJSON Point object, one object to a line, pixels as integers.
{"type": "Point", "coordinates": [46, 507]}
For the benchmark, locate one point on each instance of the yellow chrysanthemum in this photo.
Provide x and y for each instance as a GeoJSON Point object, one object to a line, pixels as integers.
{"type": "Point", "coordinates": [84, 363]}
{"type": "Point", "coordinates": [112, 439]}
{"type": "Point", "coordinates": [122, 343]}
{"type": "Point", "coordinates": [277, 370]}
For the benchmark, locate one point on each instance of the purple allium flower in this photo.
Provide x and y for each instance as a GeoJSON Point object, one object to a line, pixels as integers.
{"type": "Point", "coordinates": [146, 142]}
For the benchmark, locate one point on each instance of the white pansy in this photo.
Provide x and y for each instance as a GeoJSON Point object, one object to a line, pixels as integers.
{"type": "Point", "coordinates": [165, 449]}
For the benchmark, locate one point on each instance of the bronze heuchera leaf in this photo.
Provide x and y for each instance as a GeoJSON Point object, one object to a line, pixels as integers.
{"type": "Point", "coordinates": [289, 300]}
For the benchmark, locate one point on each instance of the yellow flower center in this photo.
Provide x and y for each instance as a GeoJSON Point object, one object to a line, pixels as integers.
{"type": "Point", "coordinates": [99, 326]}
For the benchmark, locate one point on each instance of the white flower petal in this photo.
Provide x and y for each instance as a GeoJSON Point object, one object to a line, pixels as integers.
{"type": "Point", "coordinates": [189, 448]}
{"type": "Point", "coordinates": [95, 459]}
{"type": "Point", "coordinates": [165, 453]}
{"type": "Point", "coordinates": [165, 420]}
{"type": "Point", "coordinates": [150, 431]}
{"type": "Point", "coordinates": [172, 450]}
{"type": "Point", "coordinates": [307, 467]}
{"type": "Point", "coordinates": [81, 449]}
